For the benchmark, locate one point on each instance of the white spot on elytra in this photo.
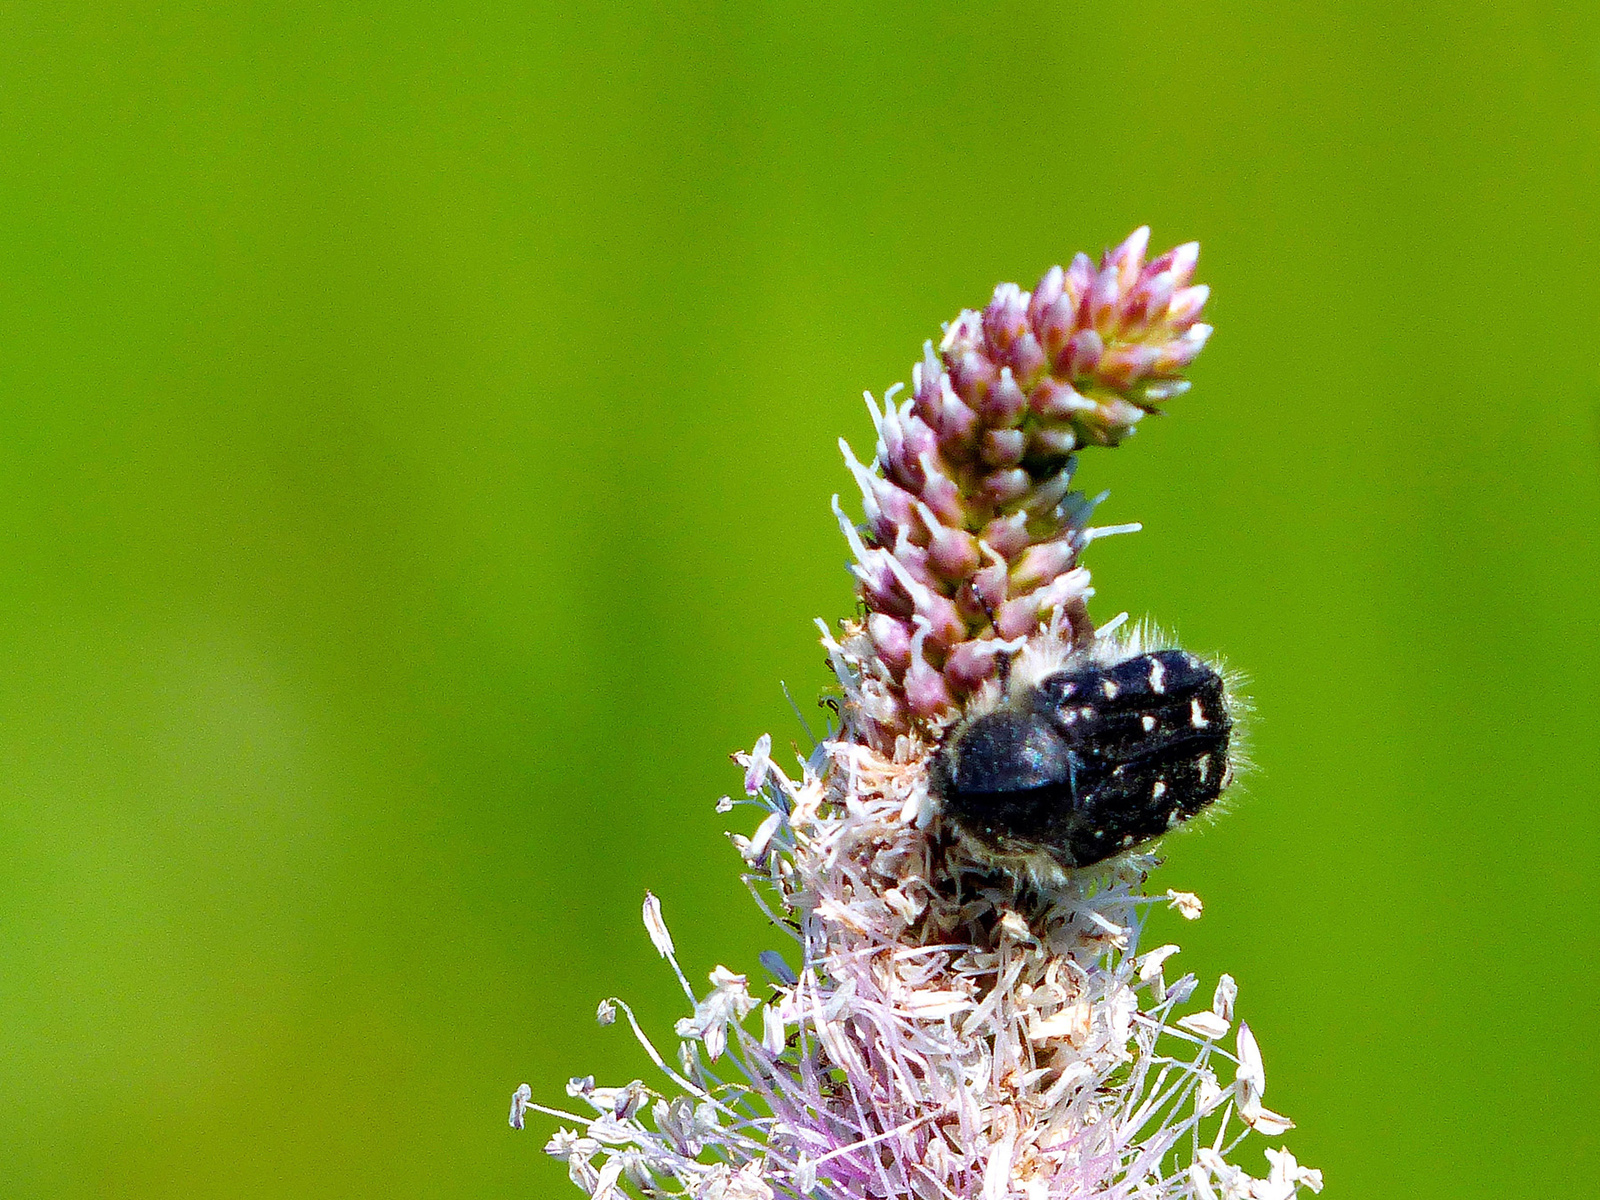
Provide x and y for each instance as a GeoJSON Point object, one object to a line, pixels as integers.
{"type": "Point", "coordinates": [1196, 717]}
{"type": "Point", "coordinates": [1204, 766]}
{"type": "Point", "coordinates": [1148, 722]}
{"type": "Point", "coordinates": [1159, 790]}
{"type": "Point", "coordinates": [1127, 839]}
{"type": "Point", "coordinates": [1158, 677]}
{"type": "Point", "coordinates": [1110, 689]}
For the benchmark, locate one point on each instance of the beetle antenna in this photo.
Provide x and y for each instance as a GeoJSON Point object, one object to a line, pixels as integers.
{"type": "Point", "coordinates": [1002, 657]}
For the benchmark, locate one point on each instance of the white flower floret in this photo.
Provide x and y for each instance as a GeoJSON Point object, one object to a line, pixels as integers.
{"type": "Point", "coordinates": [1288, 1174]}
{"type": "Point", "coordinates": [755, 772]}
{"type": "Point", "coordinates": [656, 926]}
{"type": "Point", "coordinates": [1222, 1000]}
{"type": "Point", "coordinates": [729, 1002]}
{"type": "Point", "coordinates": [1186, 903]}
{"type": "Point", "coordinates": [1208, 1025]}
{"type": "Point", "coordinates": [520, 1099]}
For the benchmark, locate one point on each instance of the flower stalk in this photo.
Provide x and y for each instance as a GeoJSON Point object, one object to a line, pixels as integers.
{"type": "Point", "coordinates": [940, 1029]}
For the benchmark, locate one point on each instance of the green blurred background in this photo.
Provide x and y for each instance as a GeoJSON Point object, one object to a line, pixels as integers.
{"type": "Point", "coordinates": [416, 434]}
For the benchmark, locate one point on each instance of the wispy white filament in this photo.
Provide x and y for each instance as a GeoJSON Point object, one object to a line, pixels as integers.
{"type": "Point", "coordinates": [946, 1035]}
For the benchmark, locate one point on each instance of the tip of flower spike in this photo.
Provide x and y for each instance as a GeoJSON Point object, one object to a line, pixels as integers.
{"type": "Point", "coordinates": [971, 530]}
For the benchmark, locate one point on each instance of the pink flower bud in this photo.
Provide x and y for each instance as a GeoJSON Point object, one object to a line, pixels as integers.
{"type": "Point", "coordinates": [1043, 497]}
{"type": "Point", "coordinates": [1114, 421]}
{"type": "Point", "coordinates": [1027, 358]}
{"type": "Point", "coordinates": [913, 558]}
{"type": "Point", "coordinates": [935, 614]}
{"type": "Point", "coordinates": [1124, 363]}
{"type": "Point", "coordinates": [880, 590]}
{"type": "Point", "coordinates": [1018, 618]}
{"type": "Point", "coordinates": [989, 589]}
{"type": "Point", "coordinates": [1054, 400]}
{"type": "Point", "coordinates": [1000, 488]}
{"type": "Point", "coordinates": [1047, 293]}
{"type": "Point", "coordinates": [891, 639]}
{"type": "Point", "coordinates": [1148, 301]}
{"type": "Point", "coordinates": [1177, 355]}
{"type": "Point", "coordinates": [1006, 401]}
{"type": "Point", "coordinates": [907, 441]}
{"type": "Point", "coordinates": [972, 375]}
{"type": "Point", "coordinates": [1158, 264]}
{"type": "Point", "coordinates": [1183, 262]}
{"type": "Point", "coordinates": [1184, 308]}
{"type": "Point", "coordinates": [1105, 297]}
{"type": "Point", "coordinates": [1082, 354]}
{"type": "Point", "coordinates": [1005, 318]}
{"type": "Point", "coordinates": [1042, 563]}
{"type": "Point", "coordinates": [970, 664]}
{"type": "Point", "coordinates": [930, 379]}
{"type": "Point", "coordinates": [1053, 441]}
{"type": "Point", "coordinates": [1056, 324]}
{"type": "Point", "coordinates": [926, 693]}
{"type": "Point", "coordinates": [1002, 447]}
{"type": "Point", "coordinates": [953, 553]}
{"type": "Point", "coordinates": [1079, 278]}
{"type": "Point", "coordinates": [957, 424]}
{"type": "Point", "coordinates": [895, 508]}
{"type": "Point", "coordinates": [964, 334]}
{"type": "Point", "coordinates": [940, 493]}
{"type": "Point", "coordinates": [1007, 536]}
{"type": "Point", "coordinates": [1129, 257]}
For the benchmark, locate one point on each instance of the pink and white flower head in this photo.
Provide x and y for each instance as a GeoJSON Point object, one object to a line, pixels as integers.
{"type": "Point", "coordinates": [941, 1029]}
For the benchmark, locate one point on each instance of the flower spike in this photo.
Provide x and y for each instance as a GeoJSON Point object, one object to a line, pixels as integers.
{"type": "Point", "coordinates": [985, 450]}
{"type": "Point", "coordinates": [958, 1020]}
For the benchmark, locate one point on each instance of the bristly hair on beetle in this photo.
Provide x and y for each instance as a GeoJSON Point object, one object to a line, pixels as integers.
{"type": "Point", "coordinates": [1076, 755]}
